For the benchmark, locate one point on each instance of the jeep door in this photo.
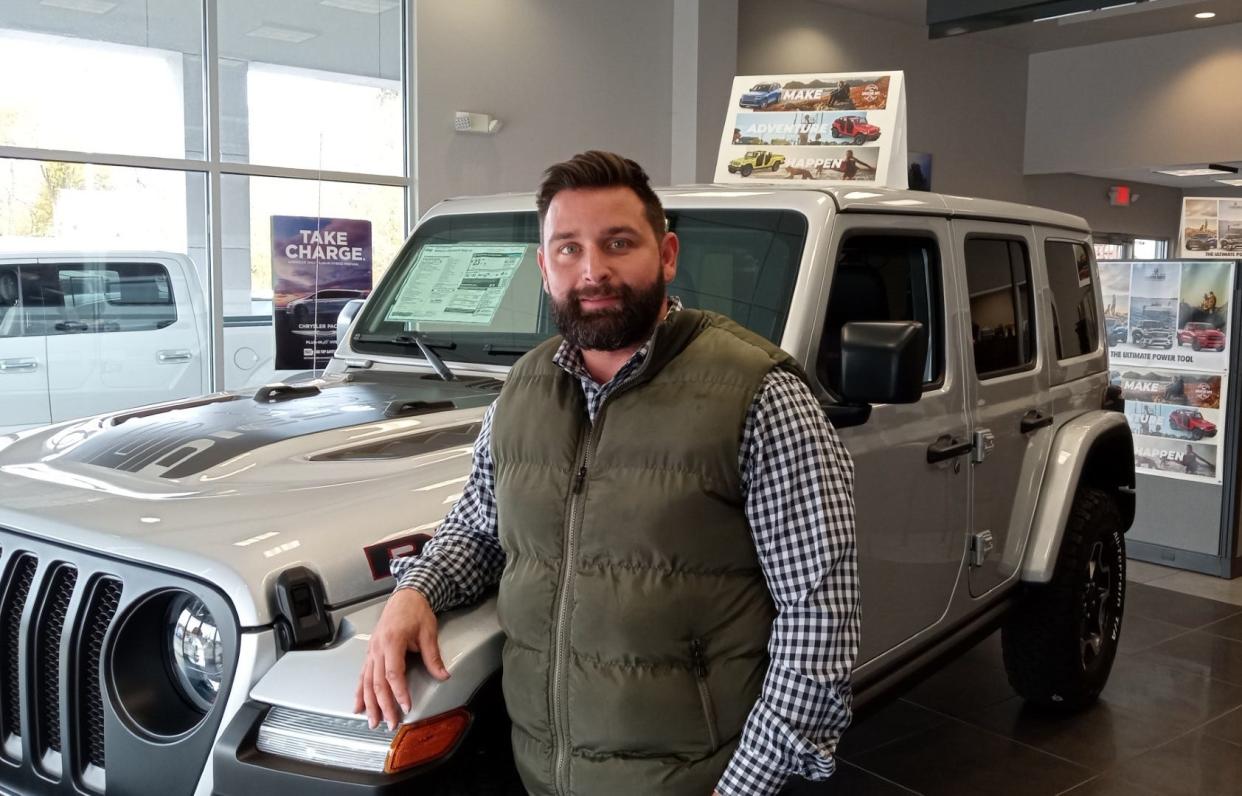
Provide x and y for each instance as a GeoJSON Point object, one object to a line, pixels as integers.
{"type": "Point", "coordinates": [1007, 394]}
{"type": "Point", "coordinates": [911, 512]}
{"type": "Point", "coordinates": [23, 355]}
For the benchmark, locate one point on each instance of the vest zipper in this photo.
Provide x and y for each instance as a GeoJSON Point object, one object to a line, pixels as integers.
{"type": "Point", "coordinates": [560, 662]}
{"type": "Point", "coordinates": [569, 571]}
{"type": "Point", "coordinates": [699, 661]}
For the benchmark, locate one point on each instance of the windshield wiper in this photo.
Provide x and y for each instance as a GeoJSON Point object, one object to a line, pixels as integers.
{"type": "Point", "coordinates": [426, 345]}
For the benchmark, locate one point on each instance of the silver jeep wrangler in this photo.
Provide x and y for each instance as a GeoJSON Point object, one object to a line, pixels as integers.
{"type": "Point", "coordinates": [187, 589]}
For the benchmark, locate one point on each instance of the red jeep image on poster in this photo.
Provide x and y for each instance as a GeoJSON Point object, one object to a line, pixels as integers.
{"type": "Point", "coordinates": [1201, 336]}
{"type": "Point", "coordinates": [855, 128]}
{"type": "Point", "coordinates": [1192, 422]}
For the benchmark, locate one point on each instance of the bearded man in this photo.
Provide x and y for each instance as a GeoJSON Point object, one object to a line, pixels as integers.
{"type": "Point", "coordinates": [670, 519]}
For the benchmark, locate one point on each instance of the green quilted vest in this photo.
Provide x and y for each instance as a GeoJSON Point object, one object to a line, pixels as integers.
{"type": "Point", "coordinates": [635, 612]}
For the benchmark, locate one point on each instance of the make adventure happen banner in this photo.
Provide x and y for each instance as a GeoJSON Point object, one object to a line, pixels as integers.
{"type": "Point", "coordinates": [843, 128]}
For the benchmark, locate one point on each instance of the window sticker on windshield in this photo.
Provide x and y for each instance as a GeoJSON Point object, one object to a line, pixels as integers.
{"type": "Point", "coordinates": [457, 283]}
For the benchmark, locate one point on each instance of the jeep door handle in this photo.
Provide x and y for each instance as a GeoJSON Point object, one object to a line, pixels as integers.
{"type": "Point", "coordinates": [948, 448]}
{"type": "Point", "coordinates": [19, 365]}
{"type": "Point", "coordinates": [1034, 420]}
{"type": "Point", "coordinates": [173, 357]}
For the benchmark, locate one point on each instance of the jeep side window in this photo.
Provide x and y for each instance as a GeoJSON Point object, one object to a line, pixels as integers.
{"type": "Point", "coordinates": [998, 277]}
{"type": "Point", "coordinates": [1074, 312]}
{"type": "Point", "coordinates": [883, 278]}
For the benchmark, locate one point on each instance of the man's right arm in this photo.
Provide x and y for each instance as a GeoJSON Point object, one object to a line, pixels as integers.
{"type": "Point", "coordinates": [464, 557]}
{"type": "Point", "coordinates": [462, 560]}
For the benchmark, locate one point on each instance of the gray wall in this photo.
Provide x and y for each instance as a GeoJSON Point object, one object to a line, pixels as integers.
{"type": "Point", "coordinates": [718, 45]}
{"type": "Point", "coordinates": [966, 100]}
{"type": "Point", "coordinates": [1153, 101]}
{"type": "Point", "coordinates": [563, 76]}
{"type": "Point", "coordinates": [1154, 215]}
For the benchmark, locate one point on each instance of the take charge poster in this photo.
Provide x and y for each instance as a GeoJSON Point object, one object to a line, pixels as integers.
{"type": "Point", "coordinates": [1168, 327]}
{"type": "Point", "coordinates": [843, 128]}
{"type": "Point", "coordinates": [318, 266]}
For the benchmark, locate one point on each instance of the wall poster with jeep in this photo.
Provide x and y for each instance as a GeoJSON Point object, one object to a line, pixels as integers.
{"type": "Point", "coordinates": [827, 128]}
{"type": "Point", "coordinates": [1211, 227]}
{"type": "Point", "coordinates": [1168, 327]}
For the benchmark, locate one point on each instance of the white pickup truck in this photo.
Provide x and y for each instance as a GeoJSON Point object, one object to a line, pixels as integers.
{"type": "Point", "coordinates": [84, 334]}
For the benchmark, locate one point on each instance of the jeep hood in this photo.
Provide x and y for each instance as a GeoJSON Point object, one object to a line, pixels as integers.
{"type": "Point", "coordinates": [234, 490]}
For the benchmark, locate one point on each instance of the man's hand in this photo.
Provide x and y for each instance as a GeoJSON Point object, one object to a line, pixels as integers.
{"type": "Point", "coordinates": [407, 625]}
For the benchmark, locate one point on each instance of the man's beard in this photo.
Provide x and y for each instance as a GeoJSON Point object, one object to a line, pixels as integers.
{"type": "Point", "coordinates": [613, 328]}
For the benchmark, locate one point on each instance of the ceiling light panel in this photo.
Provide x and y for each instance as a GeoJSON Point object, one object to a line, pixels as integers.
{"type": "Point", "coordinates": [282, 33]}
{"type": "Point", "coordinates": [85, 6]}
{"type": "Point", "coordinates": [362, 6]}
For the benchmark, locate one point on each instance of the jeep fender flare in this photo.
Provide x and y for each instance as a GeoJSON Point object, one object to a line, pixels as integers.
{"type": "Point", "coordinates": [1095, 449]}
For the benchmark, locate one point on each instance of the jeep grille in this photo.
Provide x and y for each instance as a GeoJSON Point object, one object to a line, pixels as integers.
{"type": "Point", "coordinates": [40, 595]}
{"type": "Point", "coordinates": [66, 724]}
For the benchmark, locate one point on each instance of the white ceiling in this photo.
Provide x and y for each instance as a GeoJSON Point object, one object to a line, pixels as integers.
{"type": "Point", "coordinates": [1145, 19]}
{"type": "Point", "coordinates": [1149, 176]}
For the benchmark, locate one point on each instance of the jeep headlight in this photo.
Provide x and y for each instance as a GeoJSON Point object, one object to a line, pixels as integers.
{"type": "Point", "coordinates": [196, 651]}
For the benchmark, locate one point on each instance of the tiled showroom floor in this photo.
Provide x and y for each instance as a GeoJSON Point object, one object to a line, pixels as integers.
{"type": "Point", "coordinates": [1169, 722]}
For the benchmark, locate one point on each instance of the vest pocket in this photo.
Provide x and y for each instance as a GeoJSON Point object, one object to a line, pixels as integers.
{"type": "Point", "coordinates": [699, 662]}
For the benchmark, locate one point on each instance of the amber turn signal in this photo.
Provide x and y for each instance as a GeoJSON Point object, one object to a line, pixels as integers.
{"type": "Point", "coordinates": [426, 740]}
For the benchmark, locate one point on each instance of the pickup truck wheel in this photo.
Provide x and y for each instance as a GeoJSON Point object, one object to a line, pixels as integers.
{"type": "Point", "coordinates": [1060, 641]}
{"type": "Point", "coordinates": [747, 169]}
{"type": "Point", "coordinates": [860, 139]}
{"type": "Point", "coordinates": [1195, 345]}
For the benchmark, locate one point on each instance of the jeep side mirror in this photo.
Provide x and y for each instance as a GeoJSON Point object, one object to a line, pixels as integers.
{"type": "Point", "coordinates": [345, 317]}
{"type": "Point", "coordinates": [882, 362]}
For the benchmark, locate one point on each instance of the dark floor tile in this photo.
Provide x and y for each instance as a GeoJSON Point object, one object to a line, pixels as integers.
{"type": "Point", "coordinates": [1181, 699]}
{"type": "Point", "coordinates": [848, 780]}
{"type": "Point", "coordinates": [972, 682]}
{"type": "Point", "coordinates": [1096, 738]}
{"type": "Point", "coordinates": [1110, 785]}
{"type": "Point", "coordinates": [1139, 633]}
{"type": "Point", "coordinates": [1227, 728]}
{"type": "Point", "coordinates": [1179, 609]}
{"type": "Point", "coordinates": [1211, 656]}
{"type": "Point", "coordinates": [1192, 765]}
{"type": "Point", "coordinates": [1229, 628]}
{"type": "Point", "coordinates": [960, 760]}
{"type": "Point", "coordinates": [893, 722]}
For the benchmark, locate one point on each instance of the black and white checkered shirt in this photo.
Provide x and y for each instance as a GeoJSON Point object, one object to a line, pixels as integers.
{"type": "Point", "coordinates": [798, 481]}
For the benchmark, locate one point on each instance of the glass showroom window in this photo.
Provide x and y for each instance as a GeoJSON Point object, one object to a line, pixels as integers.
{"type": "Point", "coordinates": [312, 85]}
{"type": "Point", "coordinates": [101, 289]}
{"type": "Point", "coordinates": [96, 82]}
{"type": "Point", "coordinates": [266, 285]}
{"type": "Point", "coordinates": [105, 147]}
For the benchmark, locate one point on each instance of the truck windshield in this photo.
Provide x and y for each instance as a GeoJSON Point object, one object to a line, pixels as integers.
{"type": "Point", "coordinates": [470, 284]}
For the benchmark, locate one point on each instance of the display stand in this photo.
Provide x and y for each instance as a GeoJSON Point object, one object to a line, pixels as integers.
{"type": "Point", "coordinates": [1180, 407]}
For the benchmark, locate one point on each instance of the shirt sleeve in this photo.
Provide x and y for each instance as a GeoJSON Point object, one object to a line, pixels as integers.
{"type": "Point", "coordinates": [799, 483]}
{"type": "Point", "coordinates": [464, 557]}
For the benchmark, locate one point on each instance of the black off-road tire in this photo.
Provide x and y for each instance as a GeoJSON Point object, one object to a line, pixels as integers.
{"type": "Point", "coordinates": [1060, 641]}
{"type": "Point", "coordinates": [747, 169]}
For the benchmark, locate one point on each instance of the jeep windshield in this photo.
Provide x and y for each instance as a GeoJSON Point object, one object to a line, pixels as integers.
{"type": "Point", "coordinates": [469, 286]}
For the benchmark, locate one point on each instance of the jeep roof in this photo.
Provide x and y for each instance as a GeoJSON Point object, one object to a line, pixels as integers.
{"type": "Point", "coordinates": [848, 199]}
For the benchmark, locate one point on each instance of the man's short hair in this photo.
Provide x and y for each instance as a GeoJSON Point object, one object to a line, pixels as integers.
{"type": "Point", "coordinates": [598, 169]}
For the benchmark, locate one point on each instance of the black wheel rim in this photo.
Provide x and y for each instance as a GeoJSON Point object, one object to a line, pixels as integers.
{"type": "Point", "coordinates": [1097, 605]}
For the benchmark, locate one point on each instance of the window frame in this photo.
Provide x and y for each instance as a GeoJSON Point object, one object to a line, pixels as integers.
{"type": "Point", "coordinates": [936, 348]}
{"type": "Point", "coordinates": [1100, 332]}
{"type": "Point", "coordinates": [1033, 335]}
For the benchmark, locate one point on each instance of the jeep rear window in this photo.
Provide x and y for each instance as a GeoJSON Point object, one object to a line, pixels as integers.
{"type": "Point", "coordinates": [740, 263]}
{"type": "Point", "coordinates": [1075, 319]}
